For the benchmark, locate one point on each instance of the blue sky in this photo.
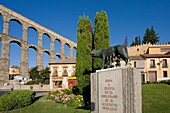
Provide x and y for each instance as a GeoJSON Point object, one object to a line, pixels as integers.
{"type": "Point", "coordinates": [126, 17]}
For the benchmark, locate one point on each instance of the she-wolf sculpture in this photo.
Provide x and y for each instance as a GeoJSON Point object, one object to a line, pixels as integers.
{"type": "Point", "coordinates": [108, 55]}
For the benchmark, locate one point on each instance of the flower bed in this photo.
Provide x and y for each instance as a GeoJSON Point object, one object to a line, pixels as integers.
{"type": "Point", "coordinates": [66, 97]}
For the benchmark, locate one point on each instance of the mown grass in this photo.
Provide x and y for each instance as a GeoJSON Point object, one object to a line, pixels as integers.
{"type": "Point", "coordinates": [155, 99]}
{"type": "Point", "coordinates": [44, 106]}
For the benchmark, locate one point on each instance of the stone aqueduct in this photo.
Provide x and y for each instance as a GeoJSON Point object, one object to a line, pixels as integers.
{"type": "Point", "coordinates": [7, 16]}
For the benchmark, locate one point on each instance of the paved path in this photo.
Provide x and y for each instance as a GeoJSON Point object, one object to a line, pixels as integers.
{"type": "Point", "coordinates": [38, 93]}
{"type": "Point", "coordinates": [3, 91]}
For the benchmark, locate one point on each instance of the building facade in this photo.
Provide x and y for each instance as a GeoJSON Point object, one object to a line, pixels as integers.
{"type": "Point", "coordinates": [152, 60]}
{"type": "Point", "coordinates": [63, 73]}
{"type": "Point", "coordinates": [13, 72]}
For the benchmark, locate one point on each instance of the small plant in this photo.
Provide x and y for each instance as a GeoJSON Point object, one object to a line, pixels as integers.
{"type": "Point", "coordinates": [66, 97]}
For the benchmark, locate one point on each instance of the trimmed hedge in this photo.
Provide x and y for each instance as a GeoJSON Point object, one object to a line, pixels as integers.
{"type": "Point", "coordinates": [37, 81]}
{"type": "Point", "coordinates": [16, 99]}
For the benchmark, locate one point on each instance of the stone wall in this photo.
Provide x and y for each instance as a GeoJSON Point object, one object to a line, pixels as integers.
{"type": "Point", "coordinates": [9, 15]}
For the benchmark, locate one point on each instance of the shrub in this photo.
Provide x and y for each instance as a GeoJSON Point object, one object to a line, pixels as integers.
{"type": "Point", "coordinates": [30, 82]}
{"type": "Point", "coordinates": [16, 99]}
{"type": "Point", "coordinates": [47, 81]}
{"type": "Point", "coordinates": [165, 82]}
{"type": "Point", "coordinates": [37, 81]}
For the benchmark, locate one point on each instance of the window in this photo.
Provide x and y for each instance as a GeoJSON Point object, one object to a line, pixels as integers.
{"type": "Point", "coordinates": [135, 64]}
{"type": "Point", "coordinates": [65, 73]}
{"type": "Point", "coordinates": [55, 69]}
{"type": "Point", "coordinates": [165, 74]}
{"type": "Point", "coordinates": [152, 63]}
{"type": "Point", "coordinates": [13, 70]}
{"type": "Point", "coordinates": [65, 69]}
{"type": "Point", "coordinates": [164, 63]}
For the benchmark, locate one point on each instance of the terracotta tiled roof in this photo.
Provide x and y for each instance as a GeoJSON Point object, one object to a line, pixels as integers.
{"type": "Point", "coordinates": [65, 61]}
{"type": "Point", "coordinates": [155, 55]}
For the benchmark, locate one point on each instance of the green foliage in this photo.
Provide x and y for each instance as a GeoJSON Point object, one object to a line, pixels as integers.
{"type": "Point", "coordinates": [37, 81]}
{"type": "Point", "coordinates": [136, 42]}
{"type": "Point", "coordinates": [84, 47]}
{"type": "Point", "coordinates": [47, 81]}
{"type": "Point", "coordinates": [16, 99]}
{"type": "Point", "coordinates": [101, 36]}
{"type": "Point", "coordinates": [45, 73]}
{"type": "Point", "coordinates": [39, 76]}
{"type": "Point", "coordinates": [42, 105]}
{"type": "Point", "coordinates": [150, 36]}
{"type": "Point", "coordinates": [34, 73]}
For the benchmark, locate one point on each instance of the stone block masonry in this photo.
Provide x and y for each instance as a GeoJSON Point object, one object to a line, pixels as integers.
{"type": "Point", "coordinates": [9, 15]}
{"type": "Point", "coordinates": [116, 90]}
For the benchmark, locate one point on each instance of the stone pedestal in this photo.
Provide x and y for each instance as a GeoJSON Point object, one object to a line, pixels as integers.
{"type": "Point", "coordinates": [116, 90]}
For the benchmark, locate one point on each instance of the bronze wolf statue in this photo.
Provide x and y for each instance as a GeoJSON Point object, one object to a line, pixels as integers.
{"type": "Point", "coordinates": [109, 54]}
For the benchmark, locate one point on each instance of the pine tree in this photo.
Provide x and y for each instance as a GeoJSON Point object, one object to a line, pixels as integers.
{"type": "Point", "coordinates": [101, 37]}
{"type": "Point", "coordinates": [84, 47]}
{"type": "Point", "coordinates": [150, 36]}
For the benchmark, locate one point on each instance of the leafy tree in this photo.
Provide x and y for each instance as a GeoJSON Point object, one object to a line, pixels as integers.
{"type": "Point", "coordinates": [34, 73]}
{"type": "Point", "coordinates": [42, 74]}
{"type": "Point", "coordinates": [83, 58]}
{"type": "Point", "coordinates": [101, 36]}
{"type": "Point", "coordinates": [150, 36]}
{"type": "Point", "coordinates": [45, 73]}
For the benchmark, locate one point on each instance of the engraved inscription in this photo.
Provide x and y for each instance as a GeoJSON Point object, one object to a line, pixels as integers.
{"type": "Point", "coordinates": [108, 96]}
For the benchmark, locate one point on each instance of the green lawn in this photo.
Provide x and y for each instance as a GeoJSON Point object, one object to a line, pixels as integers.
{"type": "Point", "coordinates": [155, 99]}
{"type": "Point", "coordinates": [44, 106]}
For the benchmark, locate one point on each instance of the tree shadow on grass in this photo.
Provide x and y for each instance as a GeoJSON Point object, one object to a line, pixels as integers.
{"type": "Point", "coordinates": [37, 98]}
{"type": "Point", "coordinates": [85, 108]}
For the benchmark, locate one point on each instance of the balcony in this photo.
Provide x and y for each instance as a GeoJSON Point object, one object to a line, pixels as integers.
{"type": "Point", "coordinates": [65, 74]}
{"type": "Point", "coordinates": [55, 74]}
{"type": "Point", "coordinates": [164, 66]}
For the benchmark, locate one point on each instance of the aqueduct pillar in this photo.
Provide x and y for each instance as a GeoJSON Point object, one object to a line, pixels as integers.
{"type": "Point", "coordinates": [71, 51]}
{"type": "Point", "coordinates": [24, 53]}
{"type": "Point", "coordinates": [40, 58]}
{"type": "Point", "coordinates": [6, 25]}
{"type": "Point", "coordinates": [62, 49]}
{"type": "Point", "coordinates": [24, 60]}
{"type": "Point", "coordinates": [4, 61]}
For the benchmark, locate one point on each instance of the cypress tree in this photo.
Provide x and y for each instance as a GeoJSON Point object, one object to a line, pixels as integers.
{"type": "Point", "coordinates": [139, 40]}
{"type": "Point", "coordinates": [83, 58]}
{"type": "Point", "coordinates": [101, 37]}
{"type": "Point", "coordinates": [136, 40]}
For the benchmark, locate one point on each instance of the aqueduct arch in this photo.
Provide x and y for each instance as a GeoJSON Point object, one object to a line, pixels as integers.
{"type": "Point", "coordinates": [7, 16]}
